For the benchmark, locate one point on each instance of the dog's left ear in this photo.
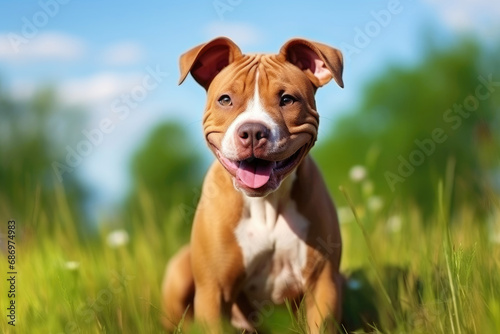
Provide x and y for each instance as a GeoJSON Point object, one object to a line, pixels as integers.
{"type": "Point", "coordinates": [319, 62]}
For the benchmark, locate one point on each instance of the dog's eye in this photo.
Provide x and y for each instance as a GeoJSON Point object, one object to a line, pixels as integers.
{"type": "Point", "coordinates": [225, 101]}
{"type": "Point", "coordinates": [287, 100]}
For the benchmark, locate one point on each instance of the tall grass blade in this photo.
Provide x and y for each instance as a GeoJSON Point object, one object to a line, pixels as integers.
{"type": "Point", "coordinates": [371, 252]}
{"type": "Point", "coordinates": [444, 202]}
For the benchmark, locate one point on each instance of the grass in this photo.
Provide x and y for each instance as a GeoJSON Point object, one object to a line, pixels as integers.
{"type": "Point", "coordinates": [407, 273]}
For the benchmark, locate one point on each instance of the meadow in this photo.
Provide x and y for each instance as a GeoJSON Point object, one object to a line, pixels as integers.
{"type": "Point", "coordinates": [409, 151]}
{"type": "Point", "coordinates": [407, 272]}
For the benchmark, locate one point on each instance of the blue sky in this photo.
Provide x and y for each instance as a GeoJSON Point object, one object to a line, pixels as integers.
{"type": "Point", "coordinates": [93, 52]}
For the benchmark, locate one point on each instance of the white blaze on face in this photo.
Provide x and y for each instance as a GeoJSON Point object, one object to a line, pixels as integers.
{"type": "Point", "coordinates": [254, 112]}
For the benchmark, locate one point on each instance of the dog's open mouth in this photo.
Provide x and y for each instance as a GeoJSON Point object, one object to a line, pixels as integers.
{"type": "Point", "coordinates": [255, 173]}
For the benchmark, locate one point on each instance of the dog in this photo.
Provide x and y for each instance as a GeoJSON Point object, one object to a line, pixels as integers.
{"type": "Point", "coordinates": [265, 229]}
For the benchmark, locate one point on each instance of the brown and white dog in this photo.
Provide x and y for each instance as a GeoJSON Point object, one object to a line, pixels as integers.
{"type": "Point", "coordinates": [265, 229]}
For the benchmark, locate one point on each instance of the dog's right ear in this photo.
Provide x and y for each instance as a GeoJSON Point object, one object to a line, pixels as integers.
{"type": "Point", "coordinates": [205, 61]}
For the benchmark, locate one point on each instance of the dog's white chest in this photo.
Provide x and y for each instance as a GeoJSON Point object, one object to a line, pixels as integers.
{"type": "Point", "coordinates": [274, 249]}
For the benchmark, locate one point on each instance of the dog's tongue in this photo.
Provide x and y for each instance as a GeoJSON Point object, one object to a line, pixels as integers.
{"type": "Point", "coordinates": [254, 174]}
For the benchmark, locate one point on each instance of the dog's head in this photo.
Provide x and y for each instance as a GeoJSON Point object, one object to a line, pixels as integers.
{"type": "Point", "coordinates": [260, 117]}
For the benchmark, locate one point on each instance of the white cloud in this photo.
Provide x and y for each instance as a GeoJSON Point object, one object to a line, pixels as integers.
{"type": "Point", "coordinates": [241, 33]}
{"type": "Point", "coordinates": [123, 53]}
{"type": "Point", "coordinates": [98, 88]}
{"type": "Point", "coordinates": [44, 46]}
{"type": "Point", "coordinates": [478, 16]}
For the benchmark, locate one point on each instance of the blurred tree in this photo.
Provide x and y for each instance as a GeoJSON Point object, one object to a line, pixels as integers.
{"type": "Point", "coordinates": [412, 121]}
{"type": "Point", "coordinates": [166, 171]}
{"type": "Point", "coordinates": [33, 134]}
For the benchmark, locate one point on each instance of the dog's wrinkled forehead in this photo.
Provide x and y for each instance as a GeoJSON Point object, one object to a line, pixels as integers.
{"type": "Point", "coordinates": [238, 76]}
{"type": "Point", "coordinates": [265, 73]}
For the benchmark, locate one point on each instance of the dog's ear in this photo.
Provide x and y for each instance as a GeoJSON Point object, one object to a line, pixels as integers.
{"type": "Point", "coordinates": [205, 61]}
{"type": "Point", "coordinates": [319, 62]}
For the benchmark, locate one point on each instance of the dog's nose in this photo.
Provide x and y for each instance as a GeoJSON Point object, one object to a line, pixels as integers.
{"type": "Point", "coordinates": [253, 134]}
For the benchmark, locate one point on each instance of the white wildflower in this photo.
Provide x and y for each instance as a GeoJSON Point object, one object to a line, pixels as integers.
{"type": "Point", "coordinates": [495, 238]}
{"type": "Point", "coordinates": [72, 265]}
{"type": "Point", "coordinates": [357, 173]}
{"type": "Point", "coordinates": [345, 214]}
{"type": "Point", "coordinates": [394, 223]}
{"type": "Point", "coordinates": [117, 238]}
{"type": "Point", "coordinates": [494, 224]}
{"type": "Point", "coordinates": [375, 203]}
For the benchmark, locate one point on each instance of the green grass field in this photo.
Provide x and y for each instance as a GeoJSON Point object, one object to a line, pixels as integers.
{"type": "Point", "coordinates": [407, 273]}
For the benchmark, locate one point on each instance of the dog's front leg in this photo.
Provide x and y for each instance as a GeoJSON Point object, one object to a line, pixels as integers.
{"type": "Point", "coordinates": [209, 307]}
{"type": "Point", "coordinates": [323, 302]}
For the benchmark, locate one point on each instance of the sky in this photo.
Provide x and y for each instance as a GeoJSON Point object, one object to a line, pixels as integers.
{"type": "Point", "coordinates": [119, 59]}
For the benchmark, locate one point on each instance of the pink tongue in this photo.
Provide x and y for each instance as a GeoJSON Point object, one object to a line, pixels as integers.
{"type": "Point", "coordinates": [254, 175]}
